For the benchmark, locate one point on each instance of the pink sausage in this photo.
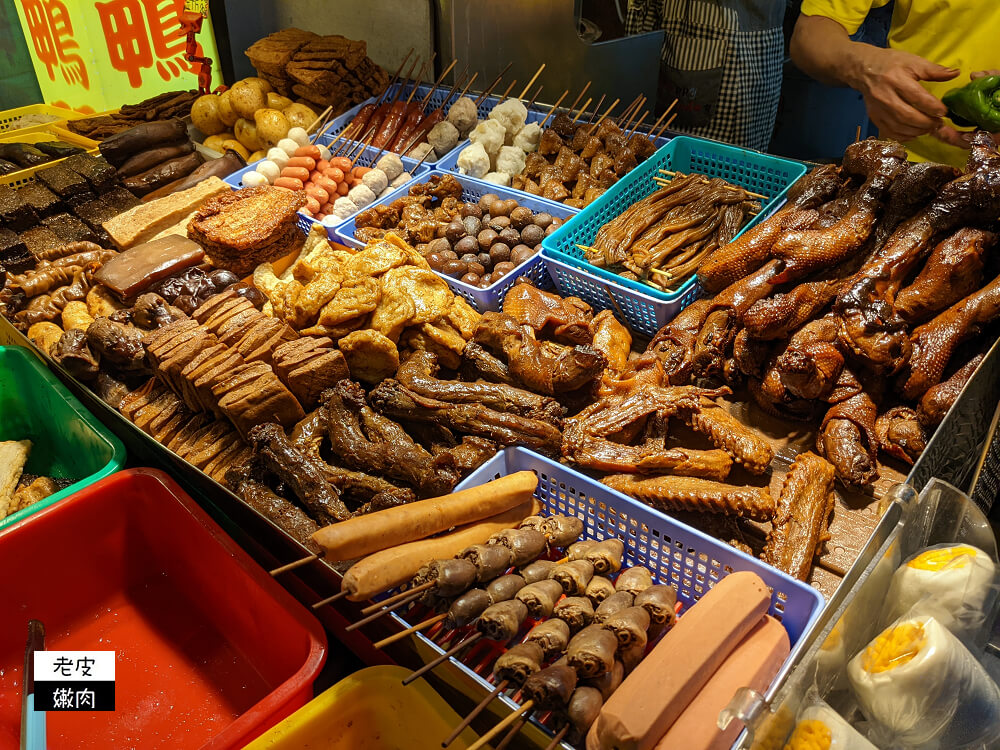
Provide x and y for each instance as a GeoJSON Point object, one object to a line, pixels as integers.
{"type": "Point", "coordinates": [302, 161]}
{"type": "Point", "coordinates": [341, 162]}
{"type": "Point", "coordinates": [343, 188]}
{"type": "Point", "coordinates": [335, 174]}
{"type": "Point", "coordinates": [329, 185]}
{"type": "Point", "coordinates": [320, 216]}
{"type": "Point", "coordinates": [312, 205]}
{"type": "Point", "coordinates": [299, 173]}
{"type": "Point", "coordinates": [322, 165]}
{"type": "Point", "coordinates": [310, 151]}
{"type": "Point", "coordinates": [288, 182]}
{"type": "Point", "coordinates": [326, 208]}
{"type": "Point", "coordinates": [318, 193]}
{"type": "Point", "coordinates": [360, 172]}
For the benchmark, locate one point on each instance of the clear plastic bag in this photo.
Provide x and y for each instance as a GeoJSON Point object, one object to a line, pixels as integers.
{"type": "Point", "coordinates": [958, 584]}
{"type": "Point", "coordinates": [819, 726]}
{"type": "Point", "coordinates": [921, 688]}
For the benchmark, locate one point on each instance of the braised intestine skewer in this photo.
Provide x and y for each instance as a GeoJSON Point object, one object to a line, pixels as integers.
{"type": "Point", "coordinates": [607, 112]}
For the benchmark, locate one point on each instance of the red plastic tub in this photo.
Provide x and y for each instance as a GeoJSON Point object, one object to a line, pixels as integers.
{"type": "Point", "coordinates": [210, 651]}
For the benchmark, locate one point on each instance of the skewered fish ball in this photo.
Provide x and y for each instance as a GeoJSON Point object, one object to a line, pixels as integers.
{"type": "Point", "coordinates": [474, 161]}
{"type": "Point", "coordinates": [375, 180]}
{"type": "Point", "coordinates": [497, 178]}
{"type": "Point", "coordinates": [511, 115]}
{"type": "Point", "coordinates": [443, 137]}
{"type": "Point", "coordinates": [490, 135]}
{"type": "Point", "coordinates": [391, 164]}
{"type": "Point", "coordinates": [463, 116]}
{"type": "Point", "coordinates": [527, 137]}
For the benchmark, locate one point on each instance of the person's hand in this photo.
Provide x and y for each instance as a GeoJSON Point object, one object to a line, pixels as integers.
{"type": "Point", "coordinates": [889, 81]}
{"type": "Point", "coordinates": [963, 138]}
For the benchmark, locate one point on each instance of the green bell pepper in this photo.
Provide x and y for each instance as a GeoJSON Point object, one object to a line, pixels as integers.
{"type": "Point", "coordinates": [976, 104]}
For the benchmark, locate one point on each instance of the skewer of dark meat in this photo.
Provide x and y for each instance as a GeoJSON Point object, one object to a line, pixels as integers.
{"type": "Point", "coordinates": [608, 682]}
{"type": "Point", "coordinates": [578, 551]}
{"type": "Point", "coordinates": [606, 556]}
{"type": "Point", "coordinates": [538, 570]}
{"type": "Point", "coordinates": [634, 580]}
{"type": "Point", "coordinates": [561, 530]}
{"type": "Point", "coordinates": [661, 603]}
{"type": "Point", "coordinates": [552, 636]}
{"type": "Point", "coordinates": [599, 589]}
{"type": "Point", "coordinates": [573, 576]}
{"type": "Point", "coordinates": [490, 560]}
{"type": "Point", "coordinates": [614, 603]}
{"type": "Point", "coordinates": [540, 597]}
{"type": "Point", "coordinates": [505, 587]}
{"type": "Point", "coordinates": [577, 611]}
{"type": "Point", "coordinates": [525, 544]}
{"type": "Point", "coordinates": [591, 652]}
{"type": "Point", "coordinates": [629, 626]}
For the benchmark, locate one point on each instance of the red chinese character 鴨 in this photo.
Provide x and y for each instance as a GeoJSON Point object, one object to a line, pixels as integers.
{"type": "Point", "coordinates": [51, 33]}
{"type": "Point", "coordinates": [141, 32]}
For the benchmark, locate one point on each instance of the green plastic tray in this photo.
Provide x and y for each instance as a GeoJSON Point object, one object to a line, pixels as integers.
{"type": "Point", "coordinates": [67, 440]}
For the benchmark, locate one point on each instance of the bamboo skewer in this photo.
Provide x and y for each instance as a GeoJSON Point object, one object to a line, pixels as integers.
{"type": "Point", "coordinates": [704, 180]}
{"type": "Point", "coordinates": [469, 84]}
{"type": "Point", "coordinates": [434, 664]}
{"type": "Point", "coordinates": [532, 81]}
{"type": "Point", "coordinates": [493, 85]}
{"type": "Point", "coordinates": [579, 96]}
{"type": "Point", "coordinates": [632, 105]}
{"type": "Point", "coordinates": [410, 630]}
{"type": "Point", "coordinates": [382, 612]}
{"type": "Point", "coordinates": [553, 108]}
{"type": "Point", "coordinates": [506, 722]}
{"type": "Point", "coordinates": [582, 109]}
{"type": "Point", "coordinates": [437, 83]}
{"type": "Point", "coordinates": [656, 124]}
{"type": "Point", "coordinates": [503, 96]}
{"type": "Point", "coordinates": [639, 124]}
{"type": "Point", "coordinates": [606, 113]}
{"type": "Point", "coordinates": [514, 730]}
{"type": "Point", "coordinates": [627, 124]}
{"type": "Point", "coordinates": [597, 108]}
{"type": "Point", "coordinates": [294, 565]}
{"type": "Point", "coordinates": [422, 158]}
{"type": "Point", "coordinates": [474, 713]}
{"type": "Point", "coordinates": [530, 104]}
{"type": "Point", "coordinates": [331, 599]}
{"type": "Point", "coordinates": [395, 598]}
{"type": "Point", "coordinates": [416, 83]}
{"type": "Point", "coordinates": [558, 738]}
{"type": "Point", "coordinates": [321, 117]}
{"type": "Point", "coordinates": [667, 124]}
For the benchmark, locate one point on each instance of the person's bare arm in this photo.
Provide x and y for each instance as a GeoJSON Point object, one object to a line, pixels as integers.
{"type": "Point", "coordinates": [888, 79]}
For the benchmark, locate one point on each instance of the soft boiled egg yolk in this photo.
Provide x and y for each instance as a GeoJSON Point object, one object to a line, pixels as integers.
{"type": "Point", "coordinates": [947, 557]}
{"type": "Point", "coordinates": [810, 734]}
{"type": "Point", "coordinates": [894, 647]}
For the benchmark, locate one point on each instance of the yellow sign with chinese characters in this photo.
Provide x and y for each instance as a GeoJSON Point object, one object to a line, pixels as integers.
{"type": "Point", "coordinates": [95, 56]}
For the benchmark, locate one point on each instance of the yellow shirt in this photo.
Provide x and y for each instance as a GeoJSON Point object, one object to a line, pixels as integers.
{"type": "Point", "coordinates": [961, 34]}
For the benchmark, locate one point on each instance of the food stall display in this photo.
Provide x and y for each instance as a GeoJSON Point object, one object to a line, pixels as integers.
{"type": "Point", "coordinates": [392, 329]}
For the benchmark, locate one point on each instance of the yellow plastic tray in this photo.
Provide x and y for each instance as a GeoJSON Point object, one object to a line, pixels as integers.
{"type": "Point", "coordinates": [9, 116]}
{"type": "Point", "coordinates": [369, 710]}
{"type": "Point", "coordinates": [62, 131]}
{"type": "Point", "coordinates": [23, 176]}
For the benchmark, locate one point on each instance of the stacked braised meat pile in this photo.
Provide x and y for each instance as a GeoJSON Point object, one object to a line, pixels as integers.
{"type": "Point", "coordinates": [244, 228]}
{"type": "Point", "coordinates": [323, 70]}
{"type": "Point", "coordinates": [860, 302]}
{"type": "Point", "coordinates": [575, 162]}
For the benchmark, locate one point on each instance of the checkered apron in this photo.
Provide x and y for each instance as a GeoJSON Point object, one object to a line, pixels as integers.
{"type": "Point", "coordinates": [721, 60]}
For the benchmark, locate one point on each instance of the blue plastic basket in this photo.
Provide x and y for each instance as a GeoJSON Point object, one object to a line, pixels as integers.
{"type": "Point", "coordinates": [677, 555]}
{"type": "Point", "coordinates": [449, 162]}
{"type": "Point", "coordinates": [639, 311]}
{"type": "Point", "coordinates": [757, 172]}
{"type": "Point", "coordinates": [490, 298]}
{"type": "Point", "coordinates": [366, 159]}
{"type": "Point", "coordinates": [439, 97]}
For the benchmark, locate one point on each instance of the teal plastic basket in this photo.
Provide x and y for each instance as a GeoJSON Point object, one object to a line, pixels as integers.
{"type": "Point", "coordinates": [643, 305]}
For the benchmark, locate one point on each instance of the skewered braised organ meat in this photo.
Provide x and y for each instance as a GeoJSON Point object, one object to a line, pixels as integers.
{"type": "Point", "coordinates": [591, 652]}
{"type": "Point", "coordinates": [552, 635]}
